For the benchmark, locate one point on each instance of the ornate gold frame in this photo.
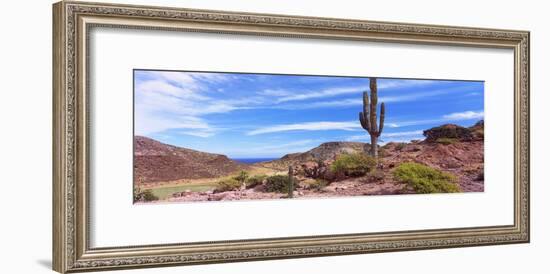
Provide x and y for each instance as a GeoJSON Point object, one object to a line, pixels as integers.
{"type": "Point", "coordinates": [72, 22]}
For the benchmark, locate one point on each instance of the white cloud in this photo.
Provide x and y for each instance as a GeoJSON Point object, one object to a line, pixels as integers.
{"type": "Point", "coordinates": [189, 79]}
{"type": "Point", "coordinates": [404, 97]}
{"type": "Point", "coordinates": [383, 85]}
{"type": "Point", "coordinates": [466, 115]}
{"type": "Point", "coordinates": [415, 122]}
{"type": "Point", "coordinates": [322, 104]}
{"type": "Point", "coordinates": [275, 92]}
{"type": "Point", "coordinates": [167, 100]}
{"type": "Point", "coordinates": [403, 83]}
{"type": "Point", "coordinates": [198, 133]}
{"type": "Point", "coordinates": [403, 133]}
{"type": "Point", "coordinates": [386, 136]}
{"type": "Point", "coordinates": [456, 116]}
{"type": "Point", "coordinates": [321, 94]}
{"type": "Point", "coordinates": [308, 126]}
{"type": "Point", "coordinates": [165, 88]}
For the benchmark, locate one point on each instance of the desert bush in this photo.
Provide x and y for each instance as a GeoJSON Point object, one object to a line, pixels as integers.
{"type": "Point", "coordinates": [424, 179]}
{"type": "Point", "coordinates": [353, 165]}
{"type": "Point", "coordinates": [478, 133]}
{"type": "Point", "coordinates": [149, 196]}
{"type": "Point", "coordinates": [255, 180]}
{"type": "Point", "coordinates": [242, 176]}
{"type": "Point", "coordinates": [137, 193]}
{"type": "Point", "coordinates": [278, 183]}
{"type": "Point", "coordinates": [227, 184]}
{"type": "Point", "coordinates": [314, 169]}
{"type": "Point", "coordinates": [318, 184]}
{"type": "Point", "coordinates": [375, 176]}
{"type": "Point", "coordinates": [400, 146]}
{"type": "Point", "coordinates": [446, 141]}
{"type": "Point", "coordinates": [382, 152]}
{"type": "Point", "coordinates": [144, 196]}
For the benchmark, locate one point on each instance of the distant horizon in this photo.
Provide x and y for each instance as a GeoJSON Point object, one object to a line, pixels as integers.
{"type": "Point", "coordinates": [254, 116]}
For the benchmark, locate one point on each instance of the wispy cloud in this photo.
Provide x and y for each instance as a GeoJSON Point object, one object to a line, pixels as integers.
{"type": "Point", "coordinates": [275, 92]}
{"type": "Point", "coordinates": [466, 115]}
{"type": "Point", "coordinates": [405, 97]}
{"type": "Point", "coordinates": [386, 136]}
{"type": "Point", "coordinates": [383, 85]}
{"type": "Point", "coordinates": [331, 92]}
{"type": "Point", "coordinates": [456, 116]}
{"type": "Point", "coordinates": [188, 79]}
{"type": "Point", "coordinates": [403, 133]}
{"type": "Point", "coordinates": [308, 126]}
{"type": "Point", "coordinates": [166, 100]}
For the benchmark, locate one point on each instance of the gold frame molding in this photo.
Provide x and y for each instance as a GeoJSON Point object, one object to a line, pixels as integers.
{"type": "Point", "coordinates": [71, 24]}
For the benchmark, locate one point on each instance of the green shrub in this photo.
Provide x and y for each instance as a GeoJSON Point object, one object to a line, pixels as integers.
{"type": "Point", "coordinates": [375, 176]}
{"type": "Point", "coordinates": [144, 196]}
{"type": "Point", "coordinates": [400, 146]}
{"type": "Point", "coordinates": [278, 183]}
{"type": "Point", "coordinates": [227, 184]}
{"type": "Point", "coordinates": [242, 176]}
{"type": "Point", "coordinates": [424, 179]}
{"type": "Point", "coordinates": [446, 141]}
{"type": "Point", "coordinates": [137, 194]}
{"type": "Point", "coordinates": [318, 185]}
{"type": "Point", "coordinates": [353, 165]}
{"type": "Point", "coordinates": [478, 133]}
{"type": "Point", "coordinates": [149, 196]}
{"type": "Point", "coordinates": [255, 181]}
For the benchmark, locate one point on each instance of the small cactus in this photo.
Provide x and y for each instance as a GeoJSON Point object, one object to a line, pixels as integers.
{"type": "Point", "coordinates": [290, 182]}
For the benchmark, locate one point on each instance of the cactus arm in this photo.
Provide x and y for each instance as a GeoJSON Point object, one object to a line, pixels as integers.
{"type": "Point", "coordinates": [364, 116]}
{"type": "Point", "coordinates": [373, 103]}
{"type": "Point", "coordinates": [382, 116]}
{"type": "Point", "coordinates": [364, 122]}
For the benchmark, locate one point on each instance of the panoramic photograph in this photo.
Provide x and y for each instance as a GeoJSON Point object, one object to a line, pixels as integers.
{"type": "Point", "coordinates": [219, 136]}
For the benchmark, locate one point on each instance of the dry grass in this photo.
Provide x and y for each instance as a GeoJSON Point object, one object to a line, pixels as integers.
{"type": "Point", "coordinates": [164, 190]}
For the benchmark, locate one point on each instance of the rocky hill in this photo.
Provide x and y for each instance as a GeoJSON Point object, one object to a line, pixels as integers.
{"type": "Point", "coordinates": [155, 161]}
{"type": "Point", "coordinates": [326, 152]}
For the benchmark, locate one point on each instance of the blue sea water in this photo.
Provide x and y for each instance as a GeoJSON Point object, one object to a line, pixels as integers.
{"type": "Point", "coordinates": [253, 160]}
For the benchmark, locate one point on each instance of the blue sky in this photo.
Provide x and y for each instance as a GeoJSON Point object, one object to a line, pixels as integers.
{"type": "Point", "coordinates": [267, 115]}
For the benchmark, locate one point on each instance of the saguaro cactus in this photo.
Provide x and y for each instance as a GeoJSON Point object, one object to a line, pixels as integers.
{"type": "Point", "coordinates": [290, 182]}
{"type": "Point", "coordinates": [368, 116]}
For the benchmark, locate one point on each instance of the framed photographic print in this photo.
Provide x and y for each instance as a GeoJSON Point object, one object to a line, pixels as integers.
{"type": "Point", "coordinates": [194, 136]}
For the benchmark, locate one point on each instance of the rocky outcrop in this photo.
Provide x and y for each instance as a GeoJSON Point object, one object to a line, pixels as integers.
{"type": "Point", "coordinates": [478, 130]}
{"type": "Point", "coordinates": [450, 131]}
{"type": "Point", "coordinates": [325, 153]}
{"type": "Point", "coordinates": [155, 161]}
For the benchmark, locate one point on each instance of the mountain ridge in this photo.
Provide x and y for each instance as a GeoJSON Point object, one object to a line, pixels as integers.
{"type": "Point", "coordinates": [156, 161]}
